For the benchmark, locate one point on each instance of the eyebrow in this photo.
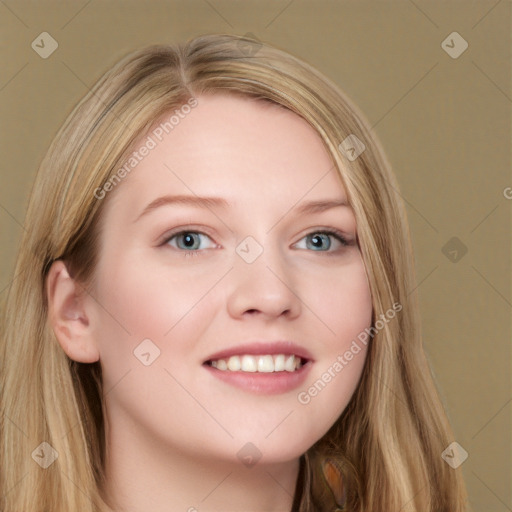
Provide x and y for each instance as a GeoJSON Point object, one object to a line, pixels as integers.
{"type": "Point", "coordinates": [219, 203]}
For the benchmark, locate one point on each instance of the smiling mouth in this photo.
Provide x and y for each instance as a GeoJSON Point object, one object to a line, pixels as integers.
{"type": "Point", "coordinates": [262, 363]}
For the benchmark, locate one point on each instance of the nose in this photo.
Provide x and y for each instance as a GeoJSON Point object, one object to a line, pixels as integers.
{"type": "Point", "coordinates": [265, 288]}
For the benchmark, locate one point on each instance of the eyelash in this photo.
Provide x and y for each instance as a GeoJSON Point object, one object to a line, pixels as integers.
{"type": "Point", "coordinates": [331, 232]}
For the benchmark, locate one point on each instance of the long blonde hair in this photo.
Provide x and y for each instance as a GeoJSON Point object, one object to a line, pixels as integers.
{"type": "Point", "coordinates": [389, 440]}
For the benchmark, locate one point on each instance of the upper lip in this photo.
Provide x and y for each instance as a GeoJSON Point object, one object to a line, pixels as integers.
{"type": "Point", "coordinates": [262, 348]}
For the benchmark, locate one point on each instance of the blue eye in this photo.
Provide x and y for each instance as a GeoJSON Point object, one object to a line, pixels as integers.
{"type": "Point", "coordinates": [321, 241]}
{"type": "Point", "coordinates": [187, 241]}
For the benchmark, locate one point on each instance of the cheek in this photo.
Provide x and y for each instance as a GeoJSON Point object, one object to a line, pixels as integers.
{"type": "Point", "coordinates": [345, 311]}
{"type": "Point", "coordinates": [139, 302]}
{"type": "Point", "coordinates": [341, 304]}
{"type": "Point", "coordinates": [150, 300]}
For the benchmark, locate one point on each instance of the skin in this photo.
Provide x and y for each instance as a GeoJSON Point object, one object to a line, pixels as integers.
{"type": "Point", "coordinates": [174, 430]}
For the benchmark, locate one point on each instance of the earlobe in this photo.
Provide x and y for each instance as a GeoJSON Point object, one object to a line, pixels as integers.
{"type": "Point", "coordinates": [69, 314]}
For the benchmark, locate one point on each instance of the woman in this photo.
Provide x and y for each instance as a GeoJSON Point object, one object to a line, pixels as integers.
{"type": "Point", "coordinates": [214, 304]}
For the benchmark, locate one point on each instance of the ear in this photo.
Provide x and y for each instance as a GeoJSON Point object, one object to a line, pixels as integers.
{"type": "Point", "coordinates": [69, 308]}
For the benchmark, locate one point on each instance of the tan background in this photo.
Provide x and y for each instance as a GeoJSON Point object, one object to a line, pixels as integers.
{"type": "Point", "coordinates": [445, 124]}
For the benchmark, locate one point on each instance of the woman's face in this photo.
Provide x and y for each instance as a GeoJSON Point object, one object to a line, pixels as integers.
{"type": "Point", "coordinates": [185, 284]}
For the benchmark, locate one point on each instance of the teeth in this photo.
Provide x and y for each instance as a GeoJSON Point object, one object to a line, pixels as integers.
{"type": "Point", "coordinates": [289, 365]}
{"type": "Point", "coordinates": [234, 363]}
{"type": "Point", "coordinates": [279, 363]}
{"type": "Point", "coordinates": [221, 364]}
{"type": "Point", "coordinates": [266, 364]}
{"type": "Point", "coordinates": [259, 364]}
{"type": "Point", "coordinates": [249, 364]}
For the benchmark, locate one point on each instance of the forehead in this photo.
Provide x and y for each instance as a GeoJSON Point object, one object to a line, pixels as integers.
{"type": "Point", "coordinates": [242, 149]}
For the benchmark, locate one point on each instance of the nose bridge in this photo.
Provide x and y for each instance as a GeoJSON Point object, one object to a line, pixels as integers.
{"type": "Point", "coordinates": [261, 281]}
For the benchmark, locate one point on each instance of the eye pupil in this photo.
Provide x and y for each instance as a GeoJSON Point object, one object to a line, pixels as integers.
{"type": "Point", "coordinates": [318, 239]}
{"type": "Point", "coordinates": [188, 240]}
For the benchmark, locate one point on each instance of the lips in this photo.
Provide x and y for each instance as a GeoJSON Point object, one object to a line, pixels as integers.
{"type": "Point", "coordinates": [249, 367]}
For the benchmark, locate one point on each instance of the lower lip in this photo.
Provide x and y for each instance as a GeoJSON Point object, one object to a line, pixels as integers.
{"type": "Point", "coordinates": [272, 383]}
